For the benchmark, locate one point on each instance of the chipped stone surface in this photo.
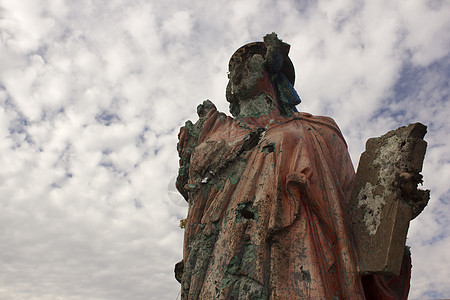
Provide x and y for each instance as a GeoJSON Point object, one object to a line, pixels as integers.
{"type": "Point", "coordinates": [385, 197]}
{"type": "Point", "coordinates": [268, 195]}
{"type": "Point", "coordinates": [268, 222]}
{"type": "Point", "coordinates": [372, 205]}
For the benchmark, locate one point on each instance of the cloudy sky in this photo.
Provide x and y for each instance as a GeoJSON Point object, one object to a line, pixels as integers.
{"type": "Point", "coordinates": [93, 92]}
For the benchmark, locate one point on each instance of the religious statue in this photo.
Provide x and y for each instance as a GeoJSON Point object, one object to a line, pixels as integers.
{"type": "Point", "coordinates": [269, 194]}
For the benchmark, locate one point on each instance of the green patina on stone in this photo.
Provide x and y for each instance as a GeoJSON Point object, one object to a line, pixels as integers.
{"type": "Point", "coordinates": [248, 259]}
{"type": "Point", "coordinates": [233, 266]}
{"type": "Point", "coordinates": [216, 225]}
{"type": "Point", "coordinates": [192, 185]}
{"type": "Point", "coordinates": [238, 276]}
{"type": "Point", "coordinates": [205, 190]}
{"type": "Point", "coordinates": [219, 185]}
{"type": "Point", "coordinates": [234, 177]}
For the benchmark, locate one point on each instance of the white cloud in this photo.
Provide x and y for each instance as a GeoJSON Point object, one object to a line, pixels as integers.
{"type": "Point", "coordinates": [24, 25]}
{"type": "Point", "coordinates": [179, 25]}
{"type": "Point", "coordinates": [426, 26]}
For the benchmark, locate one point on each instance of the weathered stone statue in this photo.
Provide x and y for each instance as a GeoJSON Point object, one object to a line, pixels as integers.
{"type": "Point", "coordinates": [269, 194]}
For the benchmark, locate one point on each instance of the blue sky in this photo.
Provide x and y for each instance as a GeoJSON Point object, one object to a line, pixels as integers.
{"type": "Point", "coordinates": [92, 95]}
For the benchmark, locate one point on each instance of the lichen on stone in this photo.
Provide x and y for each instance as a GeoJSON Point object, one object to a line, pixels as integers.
{"type": "Point", "coordinates": [387, 159]}
{"type": "Point", "coordinates": [387, 162]}
{"type": "Point", "coordinates": [373, 205]}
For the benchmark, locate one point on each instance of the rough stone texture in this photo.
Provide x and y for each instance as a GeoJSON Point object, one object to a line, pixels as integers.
{"type": "Point", "coordinates": [385, 197]}
{"type": "Point", "coordinates": [267, 200]}
{"type": "Point", "coordinates": [268, 195]}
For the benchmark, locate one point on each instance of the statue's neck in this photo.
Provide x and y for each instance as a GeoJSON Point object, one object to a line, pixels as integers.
{"type": "Point", "coordinates": [260, 106]}
{"type": "Point", "coordinates": [257, 106]}
{"type": "Point", "coordinates": [259, 111]}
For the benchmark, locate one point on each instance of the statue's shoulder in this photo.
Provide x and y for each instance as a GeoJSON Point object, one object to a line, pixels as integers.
{"type": "Point", "coordinates": [322, 124]}
{"type": "Point", "coordinates": [307, 117]}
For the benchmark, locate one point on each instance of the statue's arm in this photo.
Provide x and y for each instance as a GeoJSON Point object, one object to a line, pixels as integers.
{"type": "Point", "coordinates": [187, 141]}
{"type": "Point", "coordinates": [189, 138]}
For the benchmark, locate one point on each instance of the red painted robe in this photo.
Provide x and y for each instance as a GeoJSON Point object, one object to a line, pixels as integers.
{"type": "Point", "coordinates": [267, 209]}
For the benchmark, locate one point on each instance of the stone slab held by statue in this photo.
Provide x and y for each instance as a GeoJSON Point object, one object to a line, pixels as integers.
{"type": "Point", "coordinates": [385, 197]}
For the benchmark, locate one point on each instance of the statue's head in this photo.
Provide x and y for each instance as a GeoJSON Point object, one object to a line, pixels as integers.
{"type": "Point", "coordinates": [255, 62]}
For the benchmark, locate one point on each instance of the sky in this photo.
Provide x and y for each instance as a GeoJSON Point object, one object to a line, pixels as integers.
{"type": "Point", "coordinates": [93, 93]}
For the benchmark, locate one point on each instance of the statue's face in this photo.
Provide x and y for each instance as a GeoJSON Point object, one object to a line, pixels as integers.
{"type": "Point", "coordinates": [242, 88]}
{"type": "Point", "coordinates": [244, 76]}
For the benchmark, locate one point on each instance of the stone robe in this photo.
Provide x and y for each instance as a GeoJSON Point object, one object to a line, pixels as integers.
{"type": "Point", "coordinates": [267, 208]}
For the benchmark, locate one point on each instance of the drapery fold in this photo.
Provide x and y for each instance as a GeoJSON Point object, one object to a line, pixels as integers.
{"type": "Point", "coordinates": [269, 221]}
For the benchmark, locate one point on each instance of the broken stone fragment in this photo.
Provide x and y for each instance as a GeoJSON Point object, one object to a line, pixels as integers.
{"type": "Point", "coordinates": [385, 197]}
{"type": "Point", "coordinates": [179, 268]}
